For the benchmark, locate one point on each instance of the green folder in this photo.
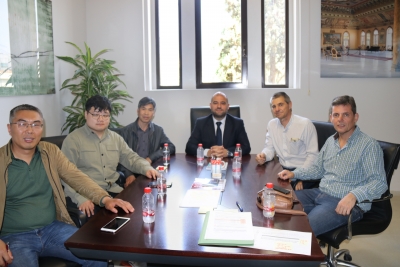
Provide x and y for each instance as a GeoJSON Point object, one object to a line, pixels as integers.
{"type": "Point", "coordinates": [220, 242]}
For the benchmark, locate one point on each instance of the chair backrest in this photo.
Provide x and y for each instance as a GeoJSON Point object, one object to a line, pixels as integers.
{"type": "Point", "coordinates": [324, 131]}
{"type": "Point", "coordinates": [378, 218]}
{"type": "Point", "coordinates": [198, 112]}
{"type": "Point", "coordinates": [57, 140]}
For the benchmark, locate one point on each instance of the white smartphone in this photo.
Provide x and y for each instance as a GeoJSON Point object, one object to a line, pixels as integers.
{"type": "Point", "coordinates": [115, 224]}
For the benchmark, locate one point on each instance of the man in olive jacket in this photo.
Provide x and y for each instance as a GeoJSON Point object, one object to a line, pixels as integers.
{"type": "Point", "coordinates": [34, 221]}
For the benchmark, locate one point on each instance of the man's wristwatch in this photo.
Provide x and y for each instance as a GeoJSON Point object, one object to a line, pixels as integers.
{"type": "Point", "coordinates": [101, 204]}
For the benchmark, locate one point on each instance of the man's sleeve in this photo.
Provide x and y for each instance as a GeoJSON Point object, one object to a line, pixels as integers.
{"type": "Point", "coordinates": [129, 159]}
{"type": "Point", "coordinates": [374, 173]}
{"type": "Point", "coordinates": [77, 181]}
{"type": "Point", "coordinates": [154, 155]}
{"type": "Point", "coordinates": [194, 140]}
{"type": "Point", "coordinates": [242, 139]}
{"type": "Point", "coordinates": [269, 149]}
{"type": "Point", "coordinates": [313, 172]}
{"type": "Point", "coordinates": [311, 141]}
{"type": "Point", "coordinates": [71, 151]}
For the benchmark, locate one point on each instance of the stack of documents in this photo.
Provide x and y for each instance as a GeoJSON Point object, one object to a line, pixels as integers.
{"type": "Point", "coordinates": [223, 228]}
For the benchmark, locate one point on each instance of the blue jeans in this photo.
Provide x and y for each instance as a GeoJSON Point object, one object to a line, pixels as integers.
{"type": "Point", "coordinates": [320, 209]}
{"type": "Point", "coordinates": [48, 241]}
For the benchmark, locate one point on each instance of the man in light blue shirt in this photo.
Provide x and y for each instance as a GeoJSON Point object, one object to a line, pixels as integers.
{"type": "Point", "coordinates": [351, 169]}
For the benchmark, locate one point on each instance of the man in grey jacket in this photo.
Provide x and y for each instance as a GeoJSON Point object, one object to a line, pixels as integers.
{"type": "Point", "coordinates": [143, 136]}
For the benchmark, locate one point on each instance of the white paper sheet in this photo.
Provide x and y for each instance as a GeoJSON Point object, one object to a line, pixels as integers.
{"type": "Point", "coordinates": [200, 198]}
{"type": "Point", "coordinates": [229, 226]}
{"type": "Point", "coordinates": [282, 240]}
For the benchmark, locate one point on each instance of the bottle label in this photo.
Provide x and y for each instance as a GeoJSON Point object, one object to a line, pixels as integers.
{"type": "Point", "coordinates": [270, 208]}
{"type": "Point", "coordinates": [147, 213]}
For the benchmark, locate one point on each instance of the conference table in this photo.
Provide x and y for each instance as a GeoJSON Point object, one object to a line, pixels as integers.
{"type": "Point", "coordinates": [173, 237]}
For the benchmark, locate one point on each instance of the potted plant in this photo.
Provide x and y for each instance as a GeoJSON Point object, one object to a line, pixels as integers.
{"type": "Point", "coordinates": [93, 76]}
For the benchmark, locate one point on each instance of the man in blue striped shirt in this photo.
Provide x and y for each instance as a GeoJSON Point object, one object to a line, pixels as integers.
{"type": "Point", "coordinates": [350, 166]}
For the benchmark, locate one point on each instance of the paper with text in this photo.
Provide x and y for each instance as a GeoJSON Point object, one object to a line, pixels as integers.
{"type": "Point", "coordinates": [229, 226]}
{"type": "Point", "coordinates": [282, 240]}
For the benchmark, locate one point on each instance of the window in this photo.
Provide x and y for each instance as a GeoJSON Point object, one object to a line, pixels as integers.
{"type": "Point", "coordinates": [195, 44]}
{"type": "Point", "coordinates": [169, 73]}
{"type": "Point", "coordinates": [275, 43]}
{"type": "Point", "coordinates": [368, 39]}
{"type": "Point", "coordinates": [376, 37]}
{"type": "Point", "coordinates": [346, 39]}
{"type": "Point", "coordinates": [389, 38]}
{"type": "Point", "coordinates": [221, 43]}
{"type": "Point", "coordinates": [362, 38]}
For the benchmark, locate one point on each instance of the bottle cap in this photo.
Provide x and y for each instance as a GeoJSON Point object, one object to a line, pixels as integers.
{"type": "Point", "coordinates": [166, 144]}
{"type": "Point", "coordinates": [237, 145]}
{"type": "Point", "coordinates": [147, 190]}
{"type": "Point", "coordinates": [269, 185]}
{"type": "Point", "coordinates": [200, 145]}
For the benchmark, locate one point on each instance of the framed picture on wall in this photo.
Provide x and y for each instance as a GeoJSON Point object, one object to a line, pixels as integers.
{"type": "Point", "coordinates": [357, 39]}
{"type": "Point", "coordinates": [332, 38]}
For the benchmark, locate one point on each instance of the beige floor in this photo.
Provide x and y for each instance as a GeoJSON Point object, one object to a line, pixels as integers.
{"type": "Point", "coordinates": [381, 250]}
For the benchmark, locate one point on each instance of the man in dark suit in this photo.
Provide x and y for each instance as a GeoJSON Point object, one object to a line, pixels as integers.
{"type": "Point", "coordinates": [219, 132]}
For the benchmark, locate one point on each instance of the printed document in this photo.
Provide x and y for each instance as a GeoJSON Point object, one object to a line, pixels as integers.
{"type": "Point", "coordinates": [282, 240]}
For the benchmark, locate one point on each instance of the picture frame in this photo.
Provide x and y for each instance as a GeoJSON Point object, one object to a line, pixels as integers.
{"type": "Point", "coordinates": [332, 38]}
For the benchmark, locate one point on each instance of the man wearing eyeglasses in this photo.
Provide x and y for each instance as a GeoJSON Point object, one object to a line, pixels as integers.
{"type": "Point", "coordinates": [97, 151]}
{"type": "Point", "coordinates": [34, 221]}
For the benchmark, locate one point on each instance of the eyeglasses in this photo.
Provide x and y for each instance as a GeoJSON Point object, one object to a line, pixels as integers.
{"type": "Point", "coordinates": [25, 125]}
{"type": "Point", "coordinates": [96, 116]}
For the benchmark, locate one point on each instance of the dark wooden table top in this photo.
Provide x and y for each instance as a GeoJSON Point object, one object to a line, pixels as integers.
{"type": "Point", "coordinates": [174, 236]}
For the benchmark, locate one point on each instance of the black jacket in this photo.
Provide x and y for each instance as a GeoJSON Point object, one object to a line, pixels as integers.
{"type": "Point", "coordinates": [204, 132]}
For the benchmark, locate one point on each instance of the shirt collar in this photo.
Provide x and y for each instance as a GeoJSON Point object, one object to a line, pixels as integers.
{"type": "Point", "coordinates": [222, 121]}
{"type": "Point", "coordinates": [89, 131]}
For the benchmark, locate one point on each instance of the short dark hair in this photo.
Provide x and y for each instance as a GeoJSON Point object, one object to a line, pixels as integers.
{"type": "Point", "coordinates": [344, 100]}
{"type": "Point", "coordinates": [99, 103]}
{"type": "Point", "coordinates": [281, 94]}
{"type": "Point", "coordinates": [146, 101]}
{"type": "Point", "coordinates": [14, 111]}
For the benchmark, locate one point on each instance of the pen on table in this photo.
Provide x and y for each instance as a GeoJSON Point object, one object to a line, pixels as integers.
{"type": "Point", "coordinates": [238, 205]}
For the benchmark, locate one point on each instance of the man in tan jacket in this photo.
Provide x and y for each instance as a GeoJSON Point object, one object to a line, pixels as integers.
{"type": "Point", "coordinates": [34, 221]}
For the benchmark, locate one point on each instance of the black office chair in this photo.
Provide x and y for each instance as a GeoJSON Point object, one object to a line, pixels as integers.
{"type": "Point", "coordinates": [374, 221]}
{"type": "Point", "coordinates": [324, 131]}
{"type": "Point", "coordinates": [57, 140]}
{"type": "Point", "coordinates": [198, 112]}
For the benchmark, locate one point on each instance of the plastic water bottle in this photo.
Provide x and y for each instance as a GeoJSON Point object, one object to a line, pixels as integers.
{"type": "Point", "coordinates": [269, 201]}
{"type": "Point", "coordinates": [161, 182]}
{"type": "Point", "coordinates": [148, 206]}
{"type": "Point", "coordinates": [239, 150]}
{"type": "Point", "coordinates": [236, 166]}
{"type": "Point", "coordinates": [200, 155]}
{"type": "Point", "coordinates": [166, 155]}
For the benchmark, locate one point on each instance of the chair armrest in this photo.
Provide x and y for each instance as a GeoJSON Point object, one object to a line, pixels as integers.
{"type": "Point", "coordinates": [349, 224]}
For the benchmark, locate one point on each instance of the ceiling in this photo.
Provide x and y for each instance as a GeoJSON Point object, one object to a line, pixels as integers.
{"type": "Point", "coordinates": [356, 14]}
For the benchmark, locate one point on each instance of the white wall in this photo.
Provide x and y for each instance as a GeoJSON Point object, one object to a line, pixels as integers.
{"type": "Point", "coordinates": [118, 25]}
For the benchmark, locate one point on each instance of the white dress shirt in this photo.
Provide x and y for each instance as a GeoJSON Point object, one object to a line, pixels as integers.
{"type": "Point", "coordinates": [222, 126]}
{"type": "Point", "coordinates": [296, 145]}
